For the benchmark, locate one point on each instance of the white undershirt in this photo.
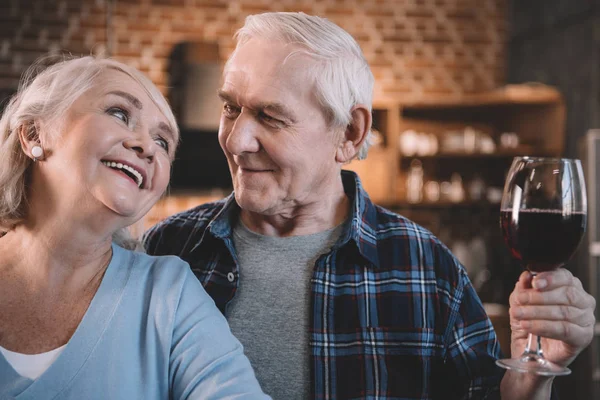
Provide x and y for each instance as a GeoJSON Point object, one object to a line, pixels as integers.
{"type": "Point", "coordinates": [31, 365]}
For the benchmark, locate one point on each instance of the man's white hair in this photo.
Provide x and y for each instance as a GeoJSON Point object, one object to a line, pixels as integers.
{"type": "Point", "coordinates": [341, 73]}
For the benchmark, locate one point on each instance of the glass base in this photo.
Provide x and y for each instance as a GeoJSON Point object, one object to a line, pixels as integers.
{"type": "Point", "coordinates": [533, 364]}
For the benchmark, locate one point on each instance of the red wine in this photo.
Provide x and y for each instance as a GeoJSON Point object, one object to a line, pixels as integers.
{"type": "Point", "coordinates": [542, 240]}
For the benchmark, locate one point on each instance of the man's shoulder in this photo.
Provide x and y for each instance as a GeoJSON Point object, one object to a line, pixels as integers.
{"type": "Point", "coordinates": [185, 226]}
{"type": "Point", "coordinates": [202, 214]}
{"type": "Point", "coordinates": [393, 225]}
{"type": "Point", "coordinates": [421, 249]}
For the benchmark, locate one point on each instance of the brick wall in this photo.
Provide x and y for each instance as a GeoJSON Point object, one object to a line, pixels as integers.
{"type": "Point", "coordinates": [415, 47]}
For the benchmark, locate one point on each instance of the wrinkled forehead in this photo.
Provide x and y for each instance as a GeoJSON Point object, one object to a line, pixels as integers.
{"type": "Point", "coordinates": [278, 51]}
{"type": "Point", "coordinates": [266, 67]}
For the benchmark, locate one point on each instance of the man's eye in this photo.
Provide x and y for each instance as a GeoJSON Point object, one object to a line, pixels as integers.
{"type": "Point", "coordinates": [230, 111]}
{"type": "Point", "coordinates": [267, 118]}
{"type": "Point", "coordinates": [120, 113]}
{"type": "Point", "coordinates": [272, 121]}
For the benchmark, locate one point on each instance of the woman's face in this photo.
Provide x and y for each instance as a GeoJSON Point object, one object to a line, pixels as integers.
{"type": "Point", "coordinates": [113, 156]}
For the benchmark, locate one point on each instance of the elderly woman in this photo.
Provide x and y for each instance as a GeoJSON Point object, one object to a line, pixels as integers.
{"type": "Point", "coordinates": [85, 151]}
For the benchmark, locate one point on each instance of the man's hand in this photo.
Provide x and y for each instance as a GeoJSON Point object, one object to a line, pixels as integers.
{"type": "Point", "coordinates": [552, 305]}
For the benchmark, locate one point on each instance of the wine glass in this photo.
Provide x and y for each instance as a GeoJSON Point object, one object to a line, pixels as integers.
{"type": "Point", "coordinates": [543, 217]}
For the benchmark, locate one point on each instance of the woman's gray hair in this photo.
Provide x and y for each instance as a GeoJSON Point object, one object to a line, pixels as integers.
{"type": "Point", "coordinates": [46, 92]}
{"type": "Point", "coordinates": [342, 75]}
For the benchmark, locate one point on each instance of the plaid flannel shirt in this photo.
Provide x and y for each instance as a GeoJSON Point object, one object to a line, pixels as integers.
{"type": "Point", "coordinates": [394, 315]}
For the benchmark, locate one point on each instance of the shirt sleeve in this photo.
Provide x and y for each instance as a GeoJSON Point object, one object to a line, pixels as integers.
{"type": "Point", "coordinates": [472, 346]}
{"type": "Point", "coordinates": [206, 360]}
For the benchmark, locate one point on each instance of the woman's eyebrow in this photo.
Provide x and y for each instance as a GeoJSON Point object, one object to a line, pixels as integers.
{"type": "Point", "coordinates": [167, 129]}
{"type": "Point", "coordinates": [132, 99]}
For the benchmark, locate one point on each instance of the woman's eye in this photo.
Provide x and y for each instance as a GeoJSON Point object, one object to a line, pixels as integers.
{"type": "Point", "coordinates": [162, 143]}
{"type": "Point", "coordinates": [121, 114]}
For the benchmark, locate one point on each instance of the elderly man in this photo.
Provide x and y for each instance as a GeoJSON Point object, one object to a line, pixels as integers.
{"type": "Point", "coordinates": [332, 296]}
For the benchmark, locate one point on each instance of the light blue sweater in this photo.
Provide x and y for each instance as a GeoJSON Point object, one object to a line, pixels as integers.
{"type": "Point", "coordinates": [151, 332]}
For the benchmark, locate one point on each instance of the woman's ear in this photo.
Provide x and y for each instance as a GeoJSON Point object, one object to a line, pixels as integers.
{"type": "Point", "coordinates": [30, 141]}
{"type": "Point", "coordinates": [355, 134]}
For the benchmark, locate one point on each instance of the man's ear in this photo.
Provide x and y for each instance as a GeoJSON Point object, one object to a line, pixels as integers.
{"type": "Point", "coordinates": [355, 134]}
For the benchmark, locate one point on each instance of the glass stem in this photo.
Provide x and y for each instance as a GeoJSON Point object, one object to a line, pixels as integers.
{"type": "Point", "coordinates": [534, 347]}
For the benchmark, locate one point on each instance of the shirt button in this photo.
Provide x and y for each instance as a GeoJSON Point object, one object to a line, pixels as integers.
{"type": "Point", "coordinates": [230, 277]}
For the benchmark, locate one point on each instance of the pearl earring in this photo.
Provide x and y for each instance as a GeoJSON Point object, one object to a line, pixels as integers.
{"type": "Point", "coordinates": [36, 152]}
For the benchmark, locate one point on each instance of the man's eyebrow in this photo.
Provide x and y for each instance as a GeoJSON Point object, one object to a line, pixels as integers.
{"type": "Point", "coordinates": [224, 96]}
{"type": "Point", "coordinates": [277, 108]}
{"type": "Point", "coordinates": [132, 99]}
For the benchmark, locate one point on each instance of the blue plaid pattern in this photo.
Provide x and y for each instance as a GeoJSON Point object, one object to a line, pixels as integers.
{"type": "Point", "coordinates": [394, 315]}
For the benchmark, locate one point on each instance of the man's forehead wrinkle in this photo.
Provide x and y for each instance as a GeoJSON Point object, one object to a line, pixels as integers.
{"type": "Point", "coordinates": [295, 54]}
{"type": "Point", "coordinates": [276, 84]}
{"type": "Point", "coordinates": [301, 56]}
{"type": "Point", "coordinates": [235, 83]}
{"type": "Point", "coordinates": [241, 91]}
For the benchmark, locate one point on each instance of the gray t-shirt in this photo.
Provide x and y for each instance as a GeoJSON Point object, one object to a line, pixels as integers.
{"type": "Point", "coordinates": [270, 312]}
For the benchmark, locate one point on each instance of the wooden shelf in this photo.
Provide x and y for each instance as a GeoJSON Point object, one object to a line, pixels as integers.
{"type": "Point", "coordinates": [502, 153]}
{"type": "Point", "coordinates": [533, 94]}
{"type": "Point", "coordinates": [535, 112]}
{"type": "Point", "coordinates": [441, 205]}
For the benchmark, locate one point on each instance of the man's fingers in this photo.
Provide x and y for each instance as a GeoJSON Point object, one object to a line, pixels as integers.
{"type": "Point", "coordinates": [582, 317]}
{"type": "Point", "coordinates": [554, 279]}
{"type": "Point", "coordinates": [572, 334]}
{"type": "Point", "coordinates": [564, 295]}
{"type": "Point", "coordinates": [524, 281]}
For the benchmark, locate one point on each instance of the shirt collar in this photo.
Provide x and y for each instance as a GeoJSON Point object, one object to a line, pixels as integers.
{"type": "Point", "coordinates": [361, 229]}
{"type": "Point", "coordinates": [222, 224]}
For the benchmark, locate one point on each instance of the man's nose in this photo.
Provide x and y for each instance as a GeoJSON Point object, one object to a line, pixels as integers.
{"type": "Point", "coordinates": [243, 135]}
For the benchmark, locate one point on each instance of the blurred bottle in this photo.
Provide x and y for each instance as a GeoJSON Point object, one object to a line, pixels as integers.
{"type": "Point", "coordinates": [457, 191]}
{"type": "Point", "coordinates": [414, 182]}
{"type": "Point", "coordinates": [477, 188]}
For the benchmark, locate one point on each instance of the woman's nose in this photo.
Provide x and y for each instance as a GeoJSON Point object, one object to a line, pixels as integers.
{"type": "Point", "coordinates": [142, 144]}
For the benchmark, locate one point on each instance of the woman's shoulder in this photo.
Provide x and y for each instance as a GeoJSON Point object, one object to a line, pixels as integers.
{"type": "Point", "coordinates": [155, 270]}
{"type": "Point", "coordinates": [158, 283]}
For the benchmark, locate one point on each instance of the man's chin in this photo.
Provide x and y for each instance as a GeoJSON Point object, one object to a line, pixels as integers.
{"type": "Point", "coordinates": [253, 203]}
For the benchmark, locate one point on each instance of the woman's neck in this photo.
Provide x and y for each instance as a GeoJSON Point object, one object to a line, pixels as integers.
{"type": "Point", "coordinates": [54, 254]}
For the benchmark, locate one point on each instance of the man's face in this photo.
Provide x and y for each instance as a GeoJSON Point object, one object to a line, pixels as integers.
{"type": "Point", "coordinates": [280, 150]}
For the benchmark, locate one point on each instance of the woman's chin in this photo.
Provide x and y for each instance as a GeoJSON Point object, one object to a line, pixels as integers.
{"type": "Point", "coordinates": [125, 208]}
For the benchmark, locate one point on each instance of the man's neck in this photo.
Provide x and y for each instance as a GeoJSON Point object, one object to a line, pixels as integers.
{"type": "Point", "coordinates": [317, 216]}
